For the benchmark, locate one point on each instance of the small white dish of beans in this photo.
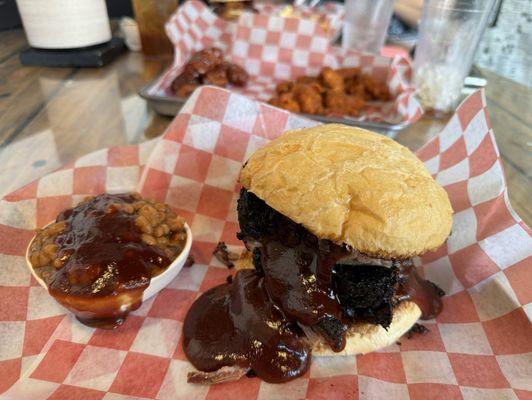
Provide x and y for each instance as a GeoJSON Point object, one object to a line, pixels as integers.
{"type": "Point", "coordinates": [102, 258]}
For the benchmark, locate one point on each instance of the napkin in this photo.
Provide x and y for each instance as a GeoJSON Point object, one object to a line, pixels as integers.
{"type": "Point", "coordinates": [273, 49]}
{"type": "Point", "coordinates": [479, 347]}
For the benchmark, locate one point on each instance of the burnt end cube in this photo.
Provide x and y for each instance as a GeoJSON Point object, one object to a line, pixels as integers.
{"type": "Point", "coordinates": [366, 292]}
{"type": "Point", "coordinates": [258, 220]}
{"type": "Point", "coordinates": [256, 258]}
{"type": "Point", "coordinates": [254, 216]}
{"type": "Point", "coordinates": [333, 331]}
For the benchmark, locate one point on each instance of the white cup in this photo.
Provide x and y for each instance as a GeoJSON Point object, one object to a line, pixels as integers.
{"type": "Point", "coordinates": [64, 24]}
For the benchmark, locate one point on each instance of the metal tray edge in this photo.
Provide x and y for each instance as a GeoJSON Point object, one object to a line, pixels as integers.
{"type": "Point", "coordinates": [170, 106]}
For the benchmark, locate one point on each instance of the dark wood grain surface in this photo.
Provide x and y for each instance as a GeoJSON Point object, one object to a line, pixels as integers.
{"type": "Point", "coordinates": [51, 116]}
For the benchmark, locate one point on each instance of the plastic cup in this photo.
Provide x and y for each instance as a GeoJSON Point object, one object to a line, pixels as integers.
{"type": "Point", "coordinates": [151, 16]}
{"type": "Point", "coordinates": [449, 34]}
{"type": "Point", "coordinates": [366, 23]}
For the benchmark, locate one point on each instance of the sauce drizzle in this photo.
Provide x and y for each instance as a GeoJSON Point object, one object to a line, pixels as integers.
{"type": "Point", "coordinates": [254, 320]}
{"type": "Point", "coordinates": [237, 324]}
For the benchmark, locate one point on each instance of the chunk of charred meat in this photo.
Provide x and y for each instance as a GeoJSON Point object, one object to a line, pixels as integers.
{"type": "Point", "coordinates": [333, 331]}
{"type": "Point", "coordinates": [189, 262]}
{"type": "Point", "coordinates": [257, 220]}
{"type": "Point", "coordinates": [222, 254]}
{"type": "Point", "coordinates": [186, 89]}
{"type": "Point", "coordinates": [366, 293]}
{"type": "Point", "coordinates": [256, 256]}
{"type": "Point", "coordinates": [417, 329]}
{"type": "Point", "coordinates": [207, 67]}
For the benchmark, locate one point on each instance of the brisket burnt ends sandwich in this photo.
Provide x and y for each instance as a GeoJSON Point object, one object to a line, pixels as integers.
{"type": "Point", "coordinates": [332, 216]}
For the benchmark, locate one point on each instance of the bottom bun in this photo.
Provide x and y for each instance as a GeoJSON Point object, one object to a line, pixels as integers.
{"type": "Point", "coordinates": [364, 338]}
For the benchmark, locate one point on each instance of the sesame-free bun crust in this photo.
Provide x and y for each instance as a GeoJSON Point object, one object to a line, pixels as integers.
{"type": "Point", "coordinates": [352, 186]}
{"type": "Point", "coordinates": [363, 338]}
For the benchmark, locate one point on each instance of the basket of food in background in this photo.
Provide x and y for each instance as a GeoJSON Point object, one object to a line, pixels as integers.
{"type": "Point", "coordinates": [288, 62]}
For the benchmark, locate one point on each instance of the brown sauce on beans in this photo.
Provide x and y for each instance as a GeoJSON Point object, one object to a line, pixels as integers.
{"type": "Point", "coordinates": [99, 257]}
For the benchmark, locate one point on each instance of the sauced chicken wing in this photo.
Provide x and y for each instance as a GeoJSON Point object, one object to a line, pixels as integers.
{"type": "Point", "coordinates": [236, 74]}
{"type": "Point", "coordinates": [207, 67]}
{"type": "Point", "coordinates": [217, 76]}
{"type": "Point", "coordinates": [205, 60]}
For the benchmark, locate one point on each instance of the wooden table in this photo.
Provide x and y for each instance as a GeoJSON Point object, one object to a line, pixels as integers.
{"type": "Point", "coordinates": [51, 116]}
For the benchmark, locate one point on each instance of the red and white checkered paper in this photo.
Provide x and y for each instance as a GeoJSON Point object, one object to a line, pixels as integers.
{"type": "Point", "coordinates": [479, 347]}
{"type": "Point", "coordinates": [274, 49]}
{"type": "Point", "coordinates": [332, 13]}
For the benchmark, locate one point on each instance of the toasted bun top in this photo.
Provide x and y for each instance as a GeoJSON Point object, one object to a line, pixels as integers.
{"type": "Point", "coordinates": [352, 186]}
{"type": "Point", "coordinates": [364, 338]}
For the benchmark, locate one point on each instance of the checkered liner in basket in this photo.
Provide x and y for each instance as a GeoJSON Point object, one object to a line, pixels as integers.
{"type": "Point", "coordinates": [332, 13]}
{"type": "Point", "coordinates": [480, 347]}
{"type": "Point", "coordinates": [273, 49]}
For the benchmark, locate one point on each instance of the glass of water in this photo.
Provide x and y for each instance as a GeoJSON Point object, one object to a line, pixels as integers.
{"type": "Point", "coordinates": [366, 23]}
{"type": "Point", "coordinates": [449, 34]}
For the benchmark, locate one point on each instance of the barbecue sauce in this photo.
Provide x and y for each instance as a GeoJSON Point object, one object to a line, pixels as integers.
{"type": "Point", "coordinates": [251, 322]}
{"type": "Point", "coordinates": [237, 324]}
{"type": "Point", "coordinates": [261, 308]}
{"type": "Point", "coordinates": [297, 274]}
{"type": "Point", "coordinates": [420, 291]}
{"type": "Point", "coordinates": [108, 266]}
